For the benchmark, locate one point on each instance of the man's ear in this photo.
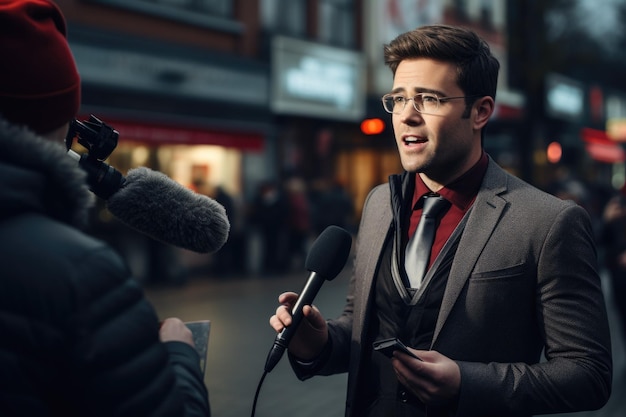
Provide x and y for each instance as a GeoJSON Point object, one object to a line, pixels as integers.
{"type": "Point", "coordinates": [483, 109]}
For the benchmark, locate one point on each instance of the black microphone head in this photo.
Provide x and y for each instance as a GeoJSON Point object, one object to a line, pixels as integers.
{"type": "Point", "coordinates": [329, 252]}
{"type": "Point", "coordinates": [152, 203]}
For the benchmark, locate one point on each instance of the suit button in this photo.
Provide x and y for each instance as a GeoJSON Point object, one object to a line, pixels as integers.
{"type": "Point", "coordinates": [403, 396]}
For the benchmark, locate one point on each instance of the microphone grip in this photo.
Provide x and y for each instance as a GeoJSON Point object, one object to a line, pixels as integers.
{"type": "Point", "coordinates": [308, 293]}
{"type": "Point", "coordinates": [306, 297]}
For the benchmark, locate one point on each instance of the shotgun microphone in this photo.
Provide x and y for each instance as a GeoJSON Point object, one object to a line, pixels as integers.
{"type": "Point", "coordinates": [154, 204]}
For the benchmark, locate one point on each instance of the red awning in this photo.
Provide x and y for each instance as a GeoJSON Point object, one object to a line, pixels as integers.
{"type": "Point", "coordinates": [155, 134]}
{"type": "Point", "coordinates": [600, 146]}
{"type": "Point", "coordinates": [508, 112]}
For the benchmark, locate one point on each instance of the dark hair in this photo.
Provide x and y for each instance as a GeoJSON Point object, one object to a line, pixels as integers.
{"type": "Point", "coordinates": [477, 68]}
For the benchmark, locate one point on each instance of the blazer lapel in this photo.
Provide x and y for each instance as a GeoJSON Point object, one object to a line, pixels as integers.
{"type": "Point", "coordinates": [372, 237]}
{"type": "Point", "coordinates": [483, 218]}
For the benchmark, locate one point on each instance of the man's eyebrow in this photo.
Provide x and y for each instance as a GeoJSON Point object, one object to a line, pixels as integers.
{"type": "Point", "coordinates": [418, 91]}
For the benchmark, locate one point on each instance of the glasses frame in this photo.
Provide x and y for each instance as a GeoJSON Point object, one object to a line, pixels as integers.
{"type": "Point", "coordinates": [407, 99]}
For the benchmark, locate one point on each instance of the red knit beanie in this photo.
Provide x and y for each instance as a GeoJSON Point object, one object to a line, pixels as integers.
{"type": "Point", "coordinates": [39, 81]}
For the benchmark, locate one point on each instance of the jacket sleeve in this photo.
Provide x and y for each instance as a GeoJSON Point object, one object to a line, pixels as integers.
{"type": "Point", "coordinates": [189, 378]}
{"type": "Point", "coordinates": [121, 367]}
{"type": "Point", "coordinates": [575, 373]}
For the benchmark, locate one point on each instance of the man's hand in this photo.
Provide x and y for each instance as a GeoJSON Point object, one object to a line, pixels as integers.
{"type": "Point", "coordinates": [173, 329]}
{"type": "Point", "coordinates": [436, 379]}
{"type": "Point", "coordinates": [312, 334]}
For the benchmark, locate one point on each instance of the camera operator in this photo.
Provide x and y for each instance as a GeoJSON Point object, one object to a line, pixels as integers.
{"type": "Point", "coordinates": [78, 337]}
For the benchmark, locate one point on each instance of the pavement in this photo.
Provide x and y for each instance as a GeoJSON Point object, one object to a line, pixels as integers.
{"type": "Point", "coordinates": [239, 308]}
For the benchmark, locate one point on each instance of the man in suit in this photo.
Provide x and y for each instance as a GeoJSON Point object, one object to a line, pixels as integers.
{"type": "Point", "coordinates": [509, 318]}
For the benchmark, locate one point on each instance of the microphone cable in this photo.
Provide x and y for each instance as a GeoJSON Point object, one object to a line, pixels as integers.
{"type": "Point", "coordinates": [256, 395]}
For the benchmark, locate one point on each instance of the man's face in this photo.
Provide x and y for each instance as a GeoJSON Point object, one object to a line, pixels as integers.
{"type": "Point", "coordinates": [439, 146]}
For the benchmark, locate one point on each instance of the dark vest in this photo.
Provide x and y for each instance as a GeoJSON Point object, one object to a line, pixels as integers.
{"type": "Point", "coordinates": [412, 319]}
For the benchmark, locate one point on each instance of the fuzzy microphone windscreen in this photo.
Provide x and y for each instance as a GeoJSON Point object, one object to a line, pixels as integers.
{"type": "Point", "coordinates": [152, 203]}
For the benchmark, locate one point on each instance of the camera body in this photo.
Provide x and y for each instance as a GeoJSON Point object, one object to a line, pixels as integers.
{"type": "Point", "coordinates": [96, 136]}
{"type": "Point", "coordinates": [100, 140]}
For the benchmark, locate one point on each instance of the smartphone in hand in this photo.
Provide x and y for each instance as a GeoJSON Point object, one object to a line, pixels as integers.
{"type": "Point", "coordinates": [387, 346]}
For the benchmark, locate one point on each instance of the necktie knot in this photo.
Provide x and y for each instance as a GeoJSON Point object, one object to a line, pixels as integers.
{"type": "Point", "coordinates": [434, 205]}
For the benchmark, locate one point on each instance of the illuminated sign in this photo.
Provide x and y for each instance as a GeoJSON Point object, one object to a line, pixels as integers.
{"type": "Point", "coordinates": [616, 117]}
{"type": "Point", "coordinates": [616, 129]}
{"type": "Point", "coordinates": [564, 98]}
{"type": "Point", "coordinates": [317, 80]}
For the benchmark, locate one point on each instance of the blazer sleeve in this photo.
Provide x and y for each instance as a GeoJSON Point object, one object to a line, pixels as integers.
{"type": "Point", "coordinates": [575, 373]}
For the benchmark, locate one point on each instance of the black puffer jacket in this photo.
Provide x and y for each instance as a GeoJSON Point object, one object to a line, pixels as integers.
{"type": "Point", "coordinates": [77, 335]}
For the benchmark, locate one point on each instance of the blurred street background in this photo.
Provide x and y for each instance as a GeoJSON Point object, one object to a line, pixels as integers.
{"type": "Point", "coordinates": [272, 108]}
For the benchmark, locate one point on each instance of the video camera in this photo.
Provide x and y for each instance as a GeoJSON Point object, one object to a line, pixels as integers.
{"type": "Point", "coordinates": [100, 140]}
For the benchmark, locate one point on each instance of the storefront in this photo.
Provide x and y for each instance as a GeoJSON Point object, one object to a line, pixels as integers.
{"type": "Point", "coordinates": [198, 117]}
{"type": "Point", "coordinates": [318, 101]}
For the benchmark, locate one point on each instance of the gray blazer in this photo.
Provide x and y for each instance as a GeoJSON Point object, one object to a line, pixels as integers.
{"type": "Point", "coordinates": [523, 312]}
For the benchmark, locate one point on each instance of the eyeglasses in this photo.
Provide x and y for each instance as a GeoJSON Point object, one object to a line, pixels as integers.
{"type": "Point", "coordinates": [425, 103]}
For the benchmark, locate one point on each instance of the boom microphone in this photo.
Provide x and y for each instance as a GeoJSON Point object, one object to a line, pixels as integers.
{"type": "Point", "coordinates": [152, 203]}
{"type": "Point", "coordinates": [325, 260]}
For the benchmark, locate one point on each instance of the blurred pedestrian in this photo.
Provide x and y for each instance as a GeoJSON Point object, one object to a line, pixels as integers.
{"type": "Point", "coordinates": [268, 215]}
{"type": "Point", "coordinates": [569, 185]}
{"type": "Point", "coordinates": [78, 336]}
{"type": "Point", "coordinates": [613, 240]}
{"type": "Point", "coordinates": [226, 259]}
{"type": "Point", "coordinates": [507, 316]}
{"type": "Point", "coordinates": [299, 221]}
{"type": "Point", "coordinates": [333, 206]}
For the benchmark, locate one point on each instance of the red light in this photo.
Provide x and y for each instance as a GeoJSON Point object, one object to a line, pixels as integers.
{"type": "Point", "coordinates": [554, 152]}
{"type": "Point", "coordinates": [372, 126]}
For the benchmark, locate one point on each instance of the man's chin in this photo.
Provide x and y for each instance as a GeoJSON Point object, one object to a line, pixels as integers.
{"type": "Point", "coordinates": [413, 165]}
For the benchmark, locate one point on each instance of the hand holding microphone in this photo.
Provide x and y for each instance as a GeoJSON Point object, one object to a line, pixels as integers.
{"type": "Point", "coordinates": [312, 333]}
{"type": "Point", "coordinates": [325, 260]}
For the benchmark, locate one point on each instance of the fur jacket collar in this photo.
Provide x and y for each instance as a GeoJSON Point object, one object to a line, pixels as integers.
{"type": "Point", "coordinates": [37, 175]}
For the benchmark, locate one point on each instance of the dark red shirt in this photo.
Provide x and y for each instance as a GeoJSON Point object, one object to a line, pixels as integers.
{"type": "Point", "coordinates": [461, 193]}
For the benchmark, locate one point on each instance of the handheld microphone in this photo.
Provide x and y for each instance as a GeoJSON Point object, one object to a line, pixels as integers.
{"type": "Point", "coordinates": [325, 260]}
{"type": "Point", "coordinates": [152, 203]}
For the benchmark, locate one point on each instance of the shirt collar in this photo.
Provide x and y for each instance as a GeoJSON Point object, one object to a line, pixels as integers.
{"type": "Point", "coordinates": [462, 191]}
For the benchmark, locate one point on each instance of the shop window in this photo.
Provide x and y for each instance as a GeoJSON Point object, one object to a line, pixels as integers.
{"type": "Point", "coordinates": [285, 17]}
{"type": "Point", "coordinates": [486, 14]}
{"type": "Point", "coordinates": [460, 7]}
{"type": "Point", "coordinates": [336, 22]}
